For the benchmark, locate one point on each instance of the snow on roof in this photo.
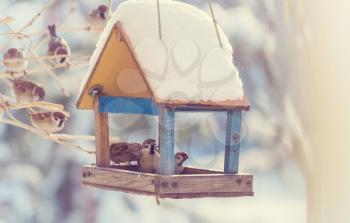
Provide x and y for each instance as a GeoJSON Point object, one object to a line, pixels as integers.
{"type": "Point", "coordinates": [187, 64]}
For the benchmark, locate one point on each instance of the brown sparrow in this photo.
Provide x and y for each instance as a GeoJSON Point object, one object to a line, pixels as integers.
{"type": "Point", "coordinates": [98, 17]}
{"type": "Point", "coordinates": [125, 152]}
{"type": "Point", "coordinates": [27, 91]}
{"type": "Point", "coordinates": [58, 47]}
{"type": "Point", "coordinates": [48, 121]}
{"type": "Point", "coordinates": [14, 66]}
{"type": "Point", "coordinates": [180, 158]}
{"type": "Point", "coordinates": [149, 158]}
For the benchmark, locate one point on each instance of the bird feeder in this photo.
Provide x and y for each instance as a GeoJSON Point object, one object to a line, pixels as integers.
{"type": "Point", "coordinates": [116, 60]}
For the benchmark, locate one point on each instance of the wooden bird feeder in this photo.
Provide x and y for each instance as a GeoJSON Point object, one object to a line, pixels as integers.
{"type": "Point", "coordinates": [101, 94]}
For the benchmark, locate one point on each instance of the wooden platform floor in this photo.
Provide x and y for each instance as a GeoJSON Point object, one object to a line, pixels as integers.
{"type": "Point", "coordinates": [193, 183]}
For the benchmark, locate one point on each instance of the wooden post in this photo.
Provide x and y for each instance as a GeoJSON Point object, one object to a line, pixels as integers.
{"type": "Point", "coordinates": [232, 144]}
{"type": "Point", "coordinates": [166, 141]}
{"type": "Point", "coordinates": [102, 136]}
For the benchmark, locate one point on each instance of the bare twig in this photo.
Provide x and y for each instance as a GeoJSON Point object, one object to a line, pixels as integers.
{"type": "Point", "coordinates": [42, 134]}
{"type": "Point", "coordinates": [38, 104]}
{"type": "Point", "coordinates": [46, 57]}
{"type": "Point", "coordinates": [39, 70]}
{"type": "Point", "coordinates": [42, 63]}
{"type": "Point", "coordinates": [109, 10]}
{"type": "Point", "coordinates": [58, 25]}
{"type": "Point", "coordinates": [54, 138]}
{"type": "Point", "coordinates": [65, 137]}
{"type": "Point", "coordinates": [66, 30]}
{"type": "Point", "coordinates": [28, 24]}
{"type": "Point", "coordinates": [6, 20]}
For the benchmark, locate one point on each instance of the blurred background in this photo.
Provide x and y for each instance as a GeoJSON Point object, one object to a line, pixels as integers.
{"type": "Point", "coordinates": [292, 56]}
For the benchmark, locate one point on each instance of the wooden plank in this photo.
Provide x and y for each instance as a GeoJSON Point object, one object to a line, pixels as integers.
{"type": "Point", "coordinates": [128, 105]}
{"type": "Point", "coordinates": [120, 180]}
{"type": "Point", "coordinates": [166, 186]}
{"type": "Point", "coordinates": [205, 184]}
{"type": "Point", "coordinates": [187, 170]}
{"type": "Point", "coordinates": [206, 105]}
{"type": "Point", "coordinates": [204, 195]}
{"type": "Point", "coordinates": [119, 189]}
{"type": "Point", "coordinates": [102, 136]}
{"type": "Point", "coordinates": [199, 109]}
{"type": "Point", "coordinates": [192, 170]}
{"type": "Point", "coordinates": [166, 140]}
{"type": "Point", "coordinates": [232, 143]}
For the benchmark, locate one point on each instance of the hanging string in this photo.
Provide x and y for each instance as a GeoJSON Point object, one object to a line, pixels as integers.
{"type": "Point", "coordinates": [215, 23]}
{"type": "Point", "coordinates": [109, 11]}
{"type": "Point", "coordinates": [159, 21]}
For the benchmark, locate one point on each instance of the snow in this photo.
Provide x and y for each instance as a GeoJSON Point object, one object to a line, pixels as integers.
{"type": "Point", "coordinates": [187, 64]}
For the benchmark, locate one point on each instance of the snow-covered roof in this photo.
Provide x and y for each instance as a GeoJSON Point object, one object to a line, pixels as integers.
{"type": "Point", "coordinates": [187, 65]}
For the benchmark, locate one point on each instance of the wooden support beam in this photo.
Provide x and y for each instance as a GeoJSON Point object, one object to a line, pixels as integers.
{"type": "Point", "coordinates": [166, 140]}
{"type": "Point", "coordinates": [232, 144]}
{"type": "Point", "coordinates": [102, 136]}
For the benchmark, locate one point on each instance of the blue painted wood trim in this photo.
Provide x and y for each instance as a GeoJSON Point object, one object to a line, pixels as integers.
{"type": "Point", "coordinates": [166, 141]}
{"type": "Point", "coordinates": [127, 105]}
{"type": "Point", "coordinates": [232, 144]}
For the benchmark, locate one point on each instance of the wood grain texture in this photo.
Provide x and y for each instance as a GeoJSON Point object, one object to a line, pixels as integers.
{"type": "Point", "coordinates": [193, 170]}
{"type": "Point", "coordinates": [204, 195]}
{"type": "Point", "coordinates": [166, 141]}
{"type": "Point", "coordinates": [187, 170]}
{"type": "Point", "coordinates": [121, 180]}
{"type": "Point", "coordinates": [207, 105]}
{"type": "Point", "coordinates": [213, 184]}
{"type": "Point", "coordinates": [101, 136]}
{"type": "Point", "coordinates": [205, 183]}
{"type": "Point", "coordinates": [232, 143]}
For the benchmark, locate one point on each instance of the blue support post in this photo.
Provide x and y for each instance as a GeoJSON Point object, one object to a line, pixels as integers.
{"type": "Point", "coordinates": [232, 144]}
{"type": "Point", "coordinates": [166, 141]}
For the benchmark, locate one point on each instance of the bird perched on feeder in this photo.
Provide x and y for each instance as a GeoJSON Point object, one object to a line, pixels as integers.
{"type": "Point", "coordinates": [48, 121]}
{"type": "Point", "coordinates": [123, 152]}
{"type": "Point", "coordinates": [27, 91]}
{"type": "Point", "coordinates": [149, 158]}
{"type": "Point", "coordinates": [14, 61]}
{"type": "Point", "coordinates": [98, 17]}
{"type": "Point", "coordinates": [58, 47]}
{"type": "Point", "coordinates": [180, 158]}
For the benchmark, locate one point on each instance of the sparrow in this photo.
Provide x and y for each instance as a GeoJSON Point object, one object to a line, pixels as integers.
{"type": "Point", "coordinates": [13, 66]}
{"type": "Point", "coordinates": [180, 158]}
{"type": "Point", "coordinates": [48, 121]}
{"type": "Point", "coordinates": [123, 152]}
{"type": "Point", "coordinates": [27, 91]}
{"type": "Point", "coordinates": [98, 17]}
{"type": "Point", "coordinates": [149, 159]}
{"type": "Point", "coordinates": [58, 47]}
